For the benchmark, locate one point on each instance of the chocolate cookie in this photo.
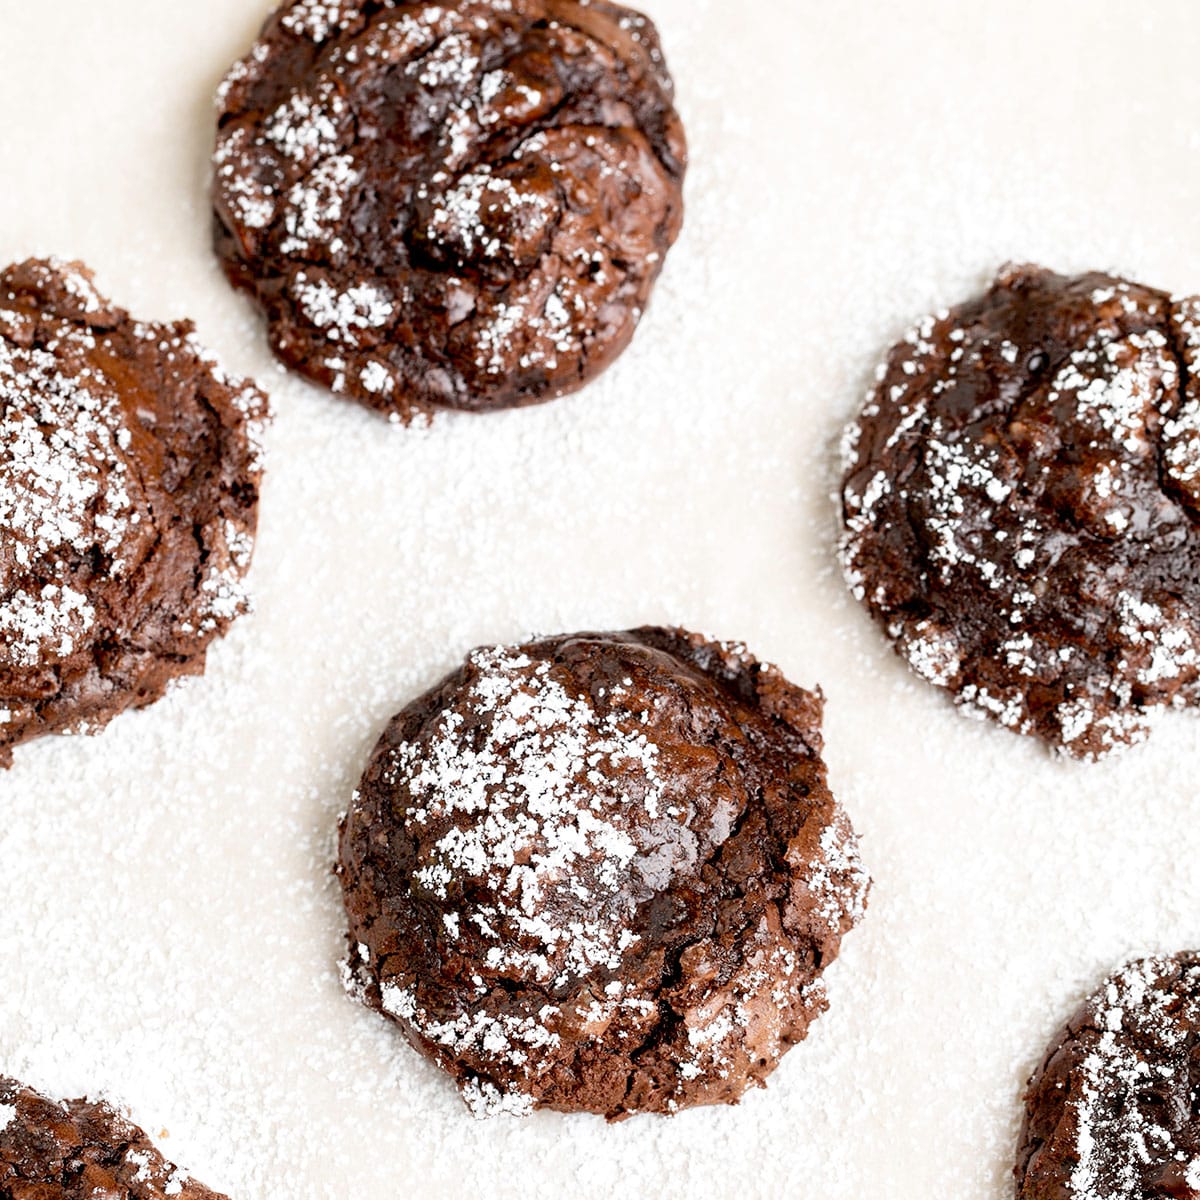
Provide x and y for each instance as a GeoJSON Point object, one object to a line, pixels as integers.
{"type": "Point", "coordinates": [462, 204]}
{"type": "Point", "coordinates": [81, 1151]}
{"type": "Point", "coordinates": [1020, 501]}
{"type": "Point", "coordinates": [1111, 1114]}
{"type": "Point", "coordinates": [129, 472]}
{"type": "Point", "coordinates": [601, 873]}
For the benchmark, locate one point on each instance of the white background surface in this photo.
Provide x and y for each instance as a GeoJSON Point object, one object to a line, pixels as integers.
{"type": "Point", "coordinates": [168, 929]}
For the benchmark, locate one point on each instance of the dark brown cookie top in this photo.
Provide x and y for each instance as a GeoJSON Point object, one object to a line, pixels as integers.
{"type": "Point", "coordinates": [80, 1150]}
{"type": "Point", "coordinates": [1112, 1112]}
{"type": "Point", "coordinates": [1020, 504]}
{"type": "Point", "coordinates": [461, 204]}
{"type": "Point", "coordinates": [601, 873]}
{"type": "Point", "coordinates": [129, 472]}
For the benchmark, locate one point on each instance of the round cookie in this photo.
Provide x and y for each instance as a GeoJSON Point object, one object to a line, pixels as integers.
{"type": "Point", "coordinates": [601, 873]}
{"type": "Point", "coordinates": [1111, 1112]}
{"type": "Point", "coordinates": [81, 1150]}
{"type": "Point", "coordinates": [461, 204]}
{"type": "Point", "coordinates": [1020, 503]}
{"type": "Point", "coordinates": [129, 473]}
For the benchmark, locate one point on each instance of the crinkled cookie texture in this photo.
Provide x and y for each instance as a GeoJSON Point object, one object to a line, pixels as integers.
{"type": "Point", "coordinates": [457, 204]}
{"type": "Point", "coordinates": [81, 1150]}
{"type": "Point", "coordinates": [129, 474]}
{"type": "Point", "coordinates": [601, 873]}
{"type": "Point", "coordinates": [1111, 1113]}
{"type": "Point", "coordinates": [1020, 502]}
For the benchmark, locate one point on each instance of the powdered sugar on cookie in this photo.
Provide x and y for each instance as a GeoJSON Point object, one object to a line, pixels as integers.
{"type": "Point", "coordinates": [1005, 517]}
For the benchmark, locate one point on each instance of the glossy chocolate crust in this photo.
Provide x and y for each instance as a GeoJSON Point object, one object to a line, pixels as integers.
{"type": "Point", "coordinates": [1020, 504]}
{"type": "Point", "coordinates": [80, 1150]}
{"type": "Point", "coordinates": [129, 474]}
{"type": "Point", "coordinates": [1111, 1113]}
{"type": "Point", "coordinates": [456, 204]}
{"type": "Point", "coordinates": [601, 873]}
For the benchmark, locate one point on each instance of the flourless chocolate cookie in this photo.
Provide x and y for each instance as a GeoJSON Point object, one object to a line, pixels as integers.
{"type": "Point", "coordinates": [461, 204]}
{"type": "Point", "coordinates": [81, 1150]}
{"type": "Point", "coordinates": [601, 873]}
{"type": "Point", "coordinates": [1112, 1114]}
{"type": "Point", "coordinates": [1020, 501]}
{"type": "Point", "coordinates": [129, 472]}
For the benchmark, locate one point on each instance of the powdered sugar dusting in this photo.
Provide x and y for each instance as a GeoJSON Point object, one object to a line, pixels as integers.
{"type": "Point", "coordinates": [252, 202]}
{"type": "Point", "coordinates": [486, 1100]}
{"type": "Point", "coordinates": [343, 315]}
{"type": "Point", "coordinates": [316, 206]}
{"type": "Point", "coordinates": [319, 19]}
{"type": "Point", "coordinates": [50, 624]}
{"type": "Point", "coordinates": [305, 126]}
{"type": "Point", "coordinates": [1064, 461]}
{"type": "Point", "coordinates": [837, 879]}
{"type": "Point", "coordinates": [1145, 1017]}
{"type": "Point", "coordinates": [524, 813]}
{"type": "Point", "coordinates": [64, 492]}
{"type": "Point", "coordinates": [539, 796]}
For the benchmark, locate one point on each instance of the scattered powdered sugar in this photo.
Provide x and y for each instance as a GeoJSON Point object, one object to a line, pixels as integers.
{"type": "Point", "coordinates": [342, 315]}
{"type": "Point", "coordinates": [507, 320]}
{"type": "Point", "coordinates": [750, 1011]}
{"type": "Point", "coordinates": [934, 654]}
{"type": "Point", "coordinates": [463, 212]}
{"type": "Point", "coordinates": [253, 204]}
{"type": "Point", "coordinates": [48, 625]}
{"type": "Point", "coordinates": [305, 126]}
{"type": "Point", "coordinates": [1167, 645]}
{"type": "Point", "coordinates": [316, 205]}
{"type": "Point", "coordinates": [453, 62]}
{"type": "Point", "coordinates": [141, 1160]}
{"type": "Point", "coordinates": [504, 1040]}
{"type": "Point", "coordinates": [242, 71]}
{"type": "Point", "coordinates": [401, 35]}
{"type": "Point", "coordinates": [8, 1113]}
{"type": "Point", "coordinates": [223, 598]}
{"type": "Point", "coordinates": [1181, 429]}
{"type": "Point", "coordinates": [837, 880]}
{"type": "Point", "coordinates": [320, 19]}
{"type": "Point", "coordinates": [1146, 1031]}
{"type": "Point", "coordinates": [486, 1100]}
{"type": "Point", "coordinates": [539, 793]}
{"type": "Point", "coordinates": [304, 132]}
{"type": "Point", "coordinates": [1121, 397]}
{"type": "Point", "coordinates": [64, 492]}
{"type": "Point", "coordinates": [377, 379]}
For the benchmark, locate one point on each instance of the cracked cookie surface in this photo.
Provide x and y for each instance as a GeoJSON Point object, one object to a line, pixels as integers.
{"type": "Point", "coordinates": [81, 1150]}
{"type": "Point", "coordinates": [129, 472]}
{"type": "Point", "coordinates": [601, 872]}
{"type": "Point", "coordinates": [1110, 1114]}
{"type": "Point", "coordinates": [449, 205]}
{"type": "Point", "coordinates": [1020, 503]}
